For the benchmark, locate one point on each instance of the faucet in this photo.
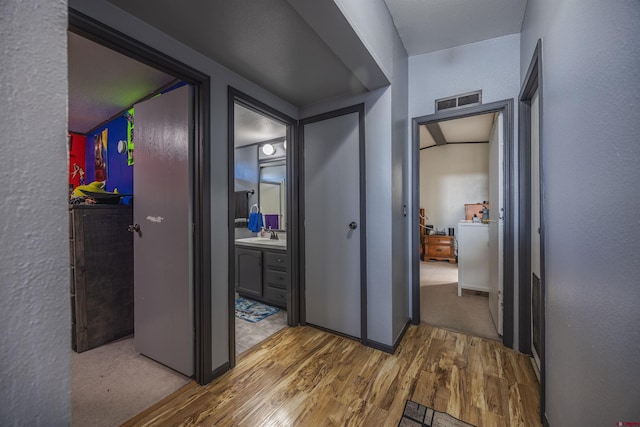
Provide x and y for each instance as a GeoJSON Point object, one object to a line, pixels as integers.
{"type": "Point", "coordinates": [274, 236]}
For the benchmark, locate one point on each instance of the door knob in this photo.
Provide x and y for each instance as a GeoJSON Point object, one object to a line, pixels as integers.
{"type": "Point", "coordinates": [353, 225]}
{"type": "Point", "coordinates": [135, 228]}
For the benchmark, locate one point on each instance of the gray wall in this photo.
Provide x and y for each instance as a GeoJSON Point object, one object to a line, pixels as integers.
{"type": "Point", "coordinates": [386, 157]}
{"type": "Point", "coordinates": [34, 289]}
{"type": "Point", "coordinates": [400, 190]}
{"type": "Point", "coordinates": [591, 155]}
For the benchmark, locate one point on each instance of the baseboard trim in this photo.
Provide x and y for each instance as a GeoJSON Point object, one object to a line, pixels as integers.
{"type": "Point", "coordinates": [398, 340]}
{"type": "Point", "coordinates": [379, 346]}
{"type": "Point", "coordinates": [391, 349]}
{"type": "Point", "coordinates": [220, 370]}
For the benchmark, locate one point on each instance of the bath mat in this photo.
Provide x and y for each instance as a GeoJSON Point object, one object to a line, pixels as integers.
{"type": "Point", "coordinates": [417, 415]}
{"type": "Point", "coordinates": [253, 311]}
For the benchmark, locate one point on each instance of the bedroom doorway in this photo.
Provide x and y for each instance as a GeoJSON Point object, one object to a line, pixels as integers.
{"type": "Point", "coordinates": [450, 228]}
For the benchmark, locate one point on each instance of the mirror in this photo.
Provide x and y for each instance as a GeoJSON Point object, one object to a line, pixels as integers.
{"type": "Point", "coordinates": [272, 195]}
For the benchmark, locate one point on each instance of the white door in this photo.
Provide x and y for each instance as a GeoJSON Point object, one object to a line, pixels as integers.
{"type": "Point", "coordinates": [163, 303]}
{"type": "Point", "coordinates": [535, 227]}
{"type": "Point", "coordinates": [332, 223]}
{"type": "Point", "coordinates": [496, 223]}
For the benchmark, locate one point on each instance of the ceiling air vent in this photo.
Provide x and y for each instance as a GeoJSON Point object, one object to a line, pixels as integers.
{"type": "Point", "coordinates": [459, 101]}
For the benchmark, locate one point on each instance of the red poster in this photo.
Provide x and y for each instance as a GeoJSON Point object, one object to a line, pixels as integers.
{"type": "Point", "coordinates": [100, 149]}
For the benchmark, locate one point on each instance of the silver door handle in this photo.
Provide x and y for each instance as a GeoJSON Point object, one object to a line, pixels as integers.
{"type": "Point", "coordinates": [134, 228]}
{"type": "Point", "coordinates": [353, 225]}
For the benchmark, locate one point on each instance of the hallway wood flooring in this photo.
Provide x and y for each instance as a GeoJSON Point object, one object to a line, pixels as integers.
{"type": "Point", "coordinates": [306, 377]}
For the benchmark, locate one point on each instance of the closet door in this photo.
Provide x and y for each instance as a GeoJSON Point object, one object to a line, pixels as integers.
{"type": "Point", "coordinates": [333, 228]}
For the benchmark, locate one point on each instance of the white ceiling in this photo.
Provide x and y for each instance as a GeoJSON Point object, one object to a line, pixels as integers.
{"type": "Point", "coordinates": [467, 129]}
{"type": "Point", "coordinates": [103, 82]}
{"type": "Point", "coordinates": [251, 127]}
{"type": "Point", "coordinates": [430, 25]}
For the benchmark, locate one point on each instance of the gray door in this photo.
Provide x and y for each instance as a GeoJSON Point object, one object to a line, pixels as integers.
{"type": "Point", "coordinates": [332, 228]}
{"type": "Point", "coordinates": [536, 271]}
{"type": "Point", "coordinates": [496, 224]}
{"type": "Point", "coordinates": [163, 286]}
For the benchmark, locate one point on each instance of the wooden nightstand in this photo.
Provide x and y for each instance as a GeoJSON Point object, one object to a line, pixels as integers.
{"type": "Point", "coordinates": [440, 248]}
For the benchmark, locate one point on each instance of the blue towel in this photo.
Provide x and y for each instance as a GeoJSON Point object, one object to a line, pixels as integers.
{"type": "Point", "coordinates": [255, 222]}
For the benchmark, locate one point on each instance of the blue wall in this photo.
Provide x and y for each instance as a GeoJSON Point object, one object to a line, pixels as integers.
{"type": "Point", "coordinates": [119, 173]}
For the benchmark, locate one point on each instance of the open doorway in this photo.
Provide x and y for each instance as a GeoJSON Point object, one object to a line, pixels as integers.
{"type": "Point", "coordinates": [460, 193]}
{"type": "Point", "coordinates": [115, 374]}
{"type": "Point", "coordinates": [261, 290]}
{"type": "Point", "coordinates": [455, 190]}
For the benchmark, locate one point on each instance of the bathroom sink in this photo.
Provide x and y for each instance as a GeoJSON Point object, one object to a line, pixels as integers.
{"type": "Point", "coordinates": [262, 241]}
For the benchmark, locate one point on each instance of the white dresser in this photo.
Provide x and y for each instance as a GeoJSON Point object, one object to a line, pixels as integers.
{"type": "Point", "coordinates": [473, 256]}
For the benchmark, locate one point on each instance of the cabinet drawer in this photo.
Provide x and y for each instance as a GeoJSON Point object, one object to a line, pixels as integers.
{"type": "Point", "coordinates": [439, 251]}
{"type": "Point", "coordinates": [440, 240]}
{"type": "Point", "coordinates": [277, 296]}
{"type": "Point", "coordinates": [275, 260]}
{"type": "Point", "coordinates": [276, 279]}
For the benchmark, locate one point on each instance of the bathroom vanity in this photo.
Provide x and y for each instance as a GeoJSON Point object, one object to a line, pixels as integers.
{"type": "Point", "coordinates": [261, 270]}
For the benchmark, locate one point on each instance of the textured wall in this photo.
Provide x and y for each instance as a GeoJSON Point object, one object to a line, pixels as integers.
{"type": "Point", "coordinates": [400, 190]}
{"type": "Point", "coordinates": [34, 290]}
{"type": "Point", "coordinates": [491, 65]}
{"type": "Point", "coordinates": [591, 154]}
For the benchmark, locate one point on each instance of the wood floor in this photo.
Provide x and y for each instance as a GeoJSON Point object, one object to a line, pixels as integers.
{"type": "Point", "coordinates": [306, 377]}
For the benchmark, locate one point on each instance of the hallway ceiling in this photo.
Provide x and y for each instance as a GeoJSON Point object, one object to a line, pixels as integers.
{"type": "Point", "coordinates": [265, 41]}
{"type": "Point", "coordinates": [270, 43]}
{"type": "Point", "coordinates": [430, 25]}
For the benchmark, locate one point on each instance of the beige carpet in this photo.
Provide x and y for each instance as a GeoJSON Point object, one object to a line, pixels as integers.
{"type": "Point", "coordinates": [113, 383]}
{"type": "Point", "coordinates": [436, 273]}
{"type": "Point", "coordinates": [441, 306]}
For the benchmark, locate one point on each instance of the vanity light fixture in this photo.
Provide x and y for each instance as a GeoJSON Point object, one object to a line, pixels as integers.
{"type": "Point", "coordinates": [268, 149]}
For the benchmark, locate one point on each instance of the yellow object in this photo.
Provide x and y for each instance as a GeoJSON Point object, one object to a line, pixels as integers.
{"type": "Point", "coordinates": [95, 186]}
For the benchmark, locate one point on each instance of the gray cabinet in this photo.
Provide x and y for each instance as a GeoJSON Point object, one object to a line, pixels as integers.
{"type": "Point", "coordinates": [249, 272]}
{"type": "Point", "coordinates": [261, 274]}
{"type": "Point", "coordinates": [101, 255]}
{"type": "Point", "coordinates": [276, 278]}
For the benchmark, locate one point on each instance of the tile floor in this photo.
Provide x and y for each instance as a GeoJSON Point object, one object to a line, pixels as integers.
{"type": "Point", "coordinates": [249, 334]}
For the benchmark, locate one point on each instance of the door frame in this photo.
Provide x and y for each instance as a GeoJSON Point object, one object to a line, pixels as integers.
{"type": "Point", "coordinates": [358, 108]}
{"type": "Point", "coordinates": [247, 101]}
{"type": "Point", "coordinates": [532, 83]}
{"type": "Point", "coordinates": [505, 107]}
{"type": "Point", "coordinates": [111, 38]}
